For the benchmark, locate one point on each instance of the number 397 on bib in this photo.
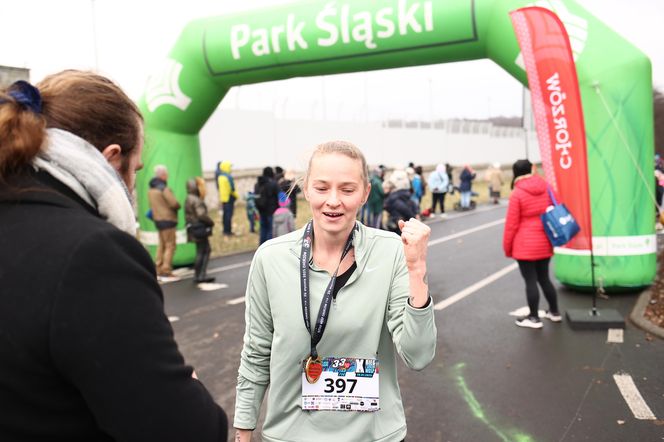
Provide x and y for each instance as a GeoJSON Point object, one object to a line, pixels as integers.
{"type": "Point", "coordinates": [345, 384]}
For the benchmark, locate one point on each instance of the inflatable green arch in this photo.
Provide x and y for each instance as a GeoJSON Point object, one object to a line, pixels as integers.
{"type": "Point", "coordinates": [330, 37]}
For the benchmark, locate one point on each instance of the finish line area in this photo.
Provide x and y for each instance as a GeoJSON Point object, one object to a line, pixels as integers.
{"type": "Point", "coordinates": [490, 380]}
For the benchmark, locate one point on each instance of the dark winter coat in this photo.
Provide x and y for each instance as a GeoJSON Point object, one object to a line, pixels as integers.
{"type": "Point", "coordinates": [267, 195]}
{"type": "Point", "coordinates": [466, 180]}
{"type": "Point", "coordinates": [399, 205]}
{"type": "Point", "coordinates": [87, 352]}
{"type": "Point", "coordinates": [376, 195]}
{"type": "Point", "coordinates": [524, 238]}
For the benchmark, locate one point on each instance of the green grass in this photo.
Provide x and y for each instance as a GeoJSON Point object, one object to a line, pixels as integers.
{"type": "Point", "coordinates": [245, 241]}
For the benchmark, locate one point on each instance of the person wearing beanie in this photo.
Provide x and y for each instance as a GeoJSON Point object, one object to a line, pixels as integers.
{"type": "Point", "coordinates": [267, 201]}
{"type": "Point", "coordinates": [283, 221]}
{"type": "Point", "coordinates": [524, 240]}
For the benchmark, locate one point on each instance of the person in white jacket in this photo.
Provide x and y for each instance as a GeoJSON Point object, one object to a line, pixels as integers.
{"type": "Point", "coordinates": [439, 183]}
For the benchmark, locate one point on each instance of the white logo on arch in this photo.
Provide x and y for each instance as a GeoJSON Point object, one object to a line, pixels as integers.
{"type": "Point", "coordinates": [576, 27]}
{"type": "Point", "coordinates": [164, 87]}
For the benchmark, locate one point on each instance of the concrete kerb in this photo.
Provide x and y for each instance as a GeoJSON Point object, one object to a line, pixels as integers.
{"type": "Point", "coordinates": [637, 316]}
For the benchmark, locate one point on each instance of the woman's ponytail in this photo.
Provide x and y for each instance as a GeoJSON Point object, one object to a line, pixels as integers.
{"type": "Point", "coordinates": [22, 127]}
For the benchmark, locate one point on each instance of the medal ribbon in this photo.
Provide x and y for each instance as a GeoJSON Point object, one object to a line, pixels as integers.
{"type": "Point", "coordinates": [324, 310]}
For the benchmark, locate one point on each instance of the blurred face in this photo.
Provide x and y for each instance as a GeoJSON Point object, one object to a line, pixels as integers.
{"type": "Point", "coordinates": [335, 191]}
{"type": "Point", "coordinates": [131, 164]}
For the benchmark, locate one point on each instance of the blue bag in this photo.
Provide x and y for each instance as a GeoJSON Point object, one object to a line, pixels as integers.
{"type": "Point", "coordinates": [559, 224]}
{"type": "Point", "coordinates": [148, 214]}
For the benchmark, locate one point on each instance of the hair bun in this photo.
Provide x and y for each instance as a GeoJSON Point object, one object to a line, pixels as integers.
{"type": "Point", "coordinates": [22, 131]}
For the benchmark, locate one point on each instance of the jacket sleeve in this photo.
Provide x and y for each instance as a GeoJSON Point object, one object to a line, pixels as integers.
{"type": "Point", "coordinates": [170, 199]}
{"type": "Point", "coordinates": [380, 191]}
{"type": "Point", "coordinates": [254, 371]}
{"type": "Point", "coordinates": [291, 223]}
{"type": "Point", "coordinates": [110, 338]}
{"type": "Point", "coordinates": [512, 221]}
{"type": "Point", "coordinates": [405, 209]}
{"type": "Point", "coordinates": [413, 330]}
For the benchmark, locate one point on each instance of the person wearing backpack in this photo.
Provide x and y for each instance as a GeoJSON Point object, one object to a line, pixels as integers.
{"type": "Point", "coordinates": [267, 201]}
{"type": "Point", "coordinates": [283, 221]}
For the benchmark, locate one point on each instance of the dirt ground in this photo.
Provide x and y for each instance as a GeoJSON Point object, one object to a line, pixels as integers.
{"type": "Point", "coordinates": [655, 308]}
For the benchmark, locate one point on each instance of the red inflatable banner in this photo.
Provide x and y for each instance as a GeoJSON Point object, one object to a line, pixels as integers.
{"type": "Point", "coordinates": [557, 110]}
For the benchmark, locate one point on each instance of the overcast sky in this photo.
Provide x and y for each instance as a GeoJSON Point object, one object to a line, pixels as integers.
{"type": "Point", "coordinates": [125, 39]}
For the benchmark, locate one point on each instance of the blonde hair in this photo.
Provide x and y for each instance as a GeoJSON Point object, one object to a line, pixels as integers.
{"type": "Point", "coordinates": [200, 184]}
{"type": "Point", "coordinates": [344, 148]}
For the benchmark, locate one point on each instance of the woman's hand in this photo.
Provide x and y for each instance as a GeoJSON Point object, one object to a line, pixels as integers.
{"type": "Point", "coordinates": [415, 238]}
{"type": "Point", "coordinates": [242, 435]}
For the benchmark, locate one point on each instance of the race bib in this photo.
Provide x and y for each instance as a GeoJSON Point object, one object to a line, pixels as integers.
{"type": "Point", "coordinates": [345, 384]}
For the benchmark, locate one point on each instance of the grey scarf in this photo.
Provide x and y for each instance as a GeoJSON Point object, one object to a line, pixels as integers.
{"type": "Point", "coordinates": [81, 167]}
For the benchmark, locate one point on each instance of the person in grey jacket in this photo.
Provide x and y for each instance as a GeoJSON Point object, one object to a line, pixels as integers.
{"type": "Point", "coordinates": [364, 299]}
{"type": "Point", "coordinates": [199, 227]}
{"type": "Point", "coordinates": [283, 221]}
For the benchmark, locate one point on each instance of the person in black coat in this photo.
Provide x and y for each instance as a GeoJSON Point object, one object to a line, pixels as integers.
{"type": "Point", "coordinates": [398, 203]}
{"type": "Point", "coordinates": [267, 201]}
{"type": "Point", "coordinates": [87, 352]}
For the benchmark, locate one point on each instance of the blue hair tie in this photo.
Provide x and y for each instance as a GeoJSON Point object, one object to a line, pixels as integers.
{"type": "Point", "coordinates": [27, 95]}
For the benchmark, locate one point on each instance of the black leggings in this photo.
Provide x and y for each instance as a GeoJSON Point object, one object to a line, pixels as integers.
{"type": "Point", "coordinates": [534, 272]}
{"type": "Point", "coordinates": [437, 198]}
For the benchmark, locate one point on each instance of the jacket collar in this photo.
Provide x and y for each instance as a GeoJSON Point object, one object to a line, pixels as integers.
{"type": "Point", "coordinates": [361, 243]}
{"type": "Point", "coordinates": [41, 188]}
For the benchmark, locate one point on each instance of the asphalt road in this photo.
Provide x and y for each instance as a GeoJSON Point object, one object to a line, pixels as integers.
{"type": "Point", "coordinates": [490, 380]}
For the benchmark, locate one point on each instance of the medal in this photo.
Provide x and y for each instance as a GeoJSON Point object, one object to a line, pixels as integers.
{"type": "Point", "coordinates": [313, 368]}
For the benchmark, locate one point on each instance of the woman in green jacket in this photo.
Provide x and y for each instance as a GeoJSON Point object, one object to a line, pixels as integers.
{"type": "Point", "coordinates": [363, 297]}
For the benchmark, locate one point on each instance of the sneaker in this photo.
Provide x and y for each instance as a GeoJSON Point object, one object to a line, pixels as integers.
{"type": "Point", "coordinates": [553, 317]}
{"type": "Point", "coordinates": [171, 278]}
{"type": "Point", "coordinates": [442, 215]}
{"type": "Point", "coordinates": [206, 279]}
{"type": "Point", "coordinates": [529, 322]}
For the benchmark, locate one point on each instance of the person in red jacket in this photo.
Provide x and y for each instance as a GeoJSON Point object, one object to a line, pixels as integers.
{"type": "Point", "coordinates": [524, 240]}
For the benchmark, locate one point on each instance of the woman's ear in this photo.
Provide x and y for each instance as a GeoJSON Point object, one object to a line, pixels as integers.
{"type": "Point", "coordinates": [113, 154]}
{"type": "Point", "coordinates": [366, 195]}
